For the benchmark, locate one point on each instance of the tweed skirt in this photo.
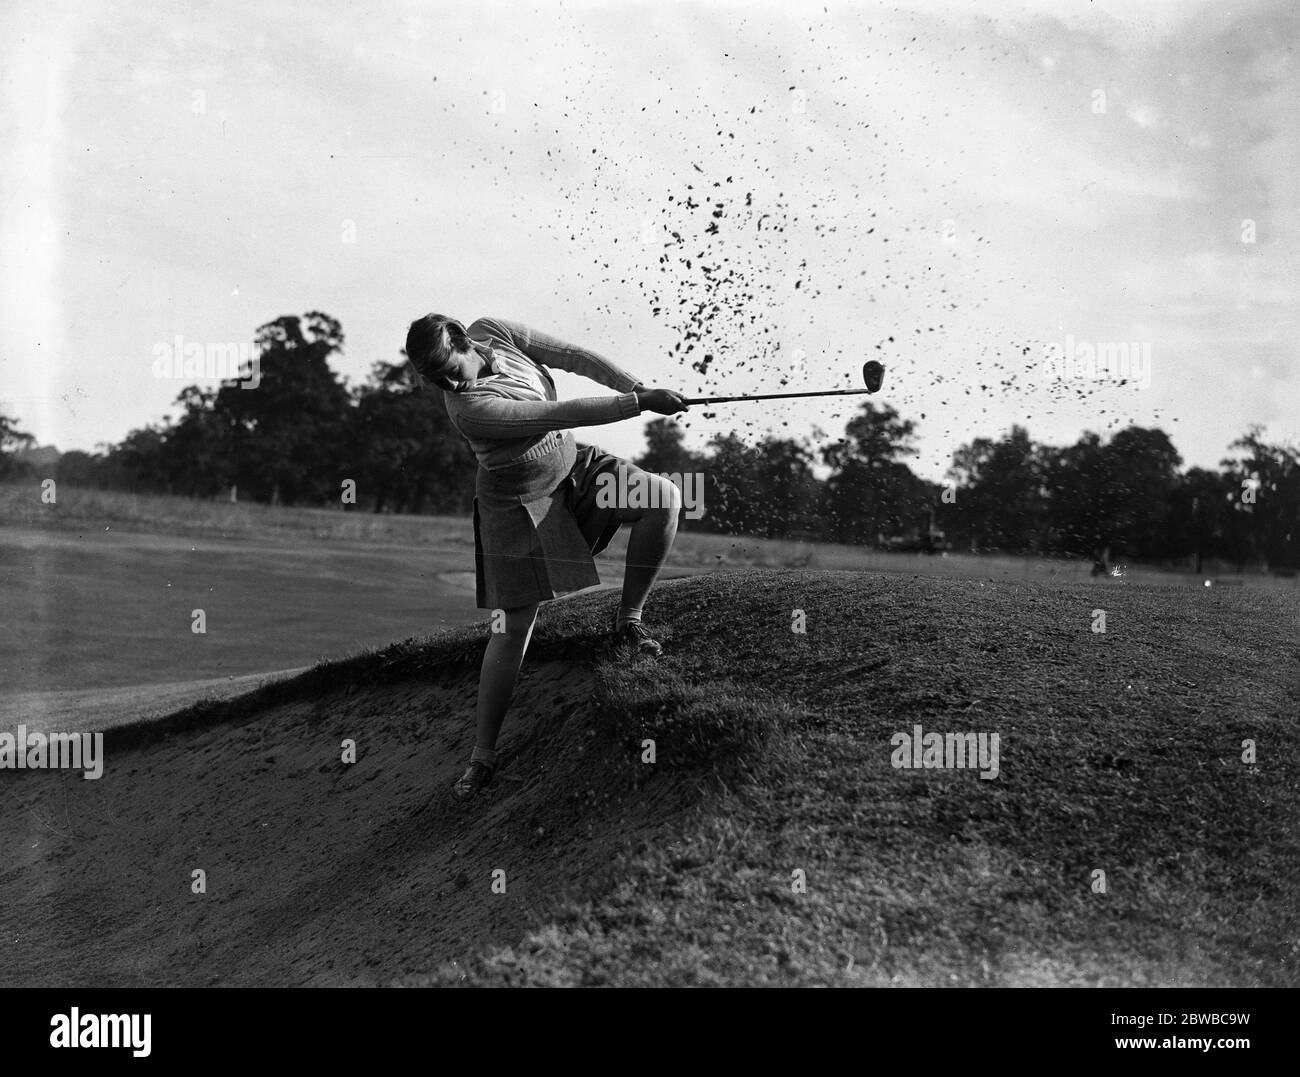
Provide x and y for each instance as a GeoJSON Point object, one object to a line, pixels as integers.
{"type": "Point", "coordinates": [537, 526]}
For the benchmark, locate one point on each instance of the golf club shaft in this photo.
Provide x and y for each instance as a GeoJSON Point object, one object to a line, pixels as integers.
{"type": "Point", "coordinates": [775, 396]}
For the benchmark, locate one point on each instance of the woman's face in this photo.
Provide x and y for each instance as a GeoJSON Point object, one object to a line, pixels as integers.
{"type": "Point", "coordinates": [470, 359]}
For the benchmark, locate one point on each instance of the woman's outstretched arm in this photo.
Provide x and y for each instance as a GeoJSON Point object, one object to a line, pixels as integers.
{"type": "Point", "coordinates": [485, 416]}
{"type": "Point", "coordinates": [551, 351]}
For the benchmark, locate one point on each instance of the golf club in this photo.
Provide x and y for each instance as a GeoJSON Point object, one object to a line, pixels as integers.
{"type": "Point", "coordinates": [873, 375]}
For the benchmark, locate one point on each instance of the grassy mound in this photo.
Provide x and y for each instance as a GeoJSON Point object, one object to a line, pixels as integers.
{"type": "Point", "coordinates": [1121, 753]}
{"type": "Point", "coordinates": [769, 841]}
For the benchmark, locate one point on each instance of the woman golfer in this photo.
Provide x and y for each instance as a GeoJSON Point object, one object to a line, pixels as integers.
{"type": "Point", "coordinates": [537, 519]}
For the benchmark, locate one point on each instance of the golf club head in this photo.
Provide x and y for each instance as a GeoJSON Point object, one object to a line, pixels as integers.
{"type": "Point", "coordinates": [873, 375]}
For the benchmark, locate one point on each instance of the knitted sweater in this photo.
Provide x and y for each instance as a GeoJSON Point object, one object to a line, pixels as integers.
{"type": "Point", "coordinates": [513, 414]}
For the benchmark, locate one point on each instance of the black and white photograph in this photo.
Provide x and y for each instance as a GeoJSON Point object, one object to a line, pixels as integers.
{"type": "Point", "coordinates": [668, 494]}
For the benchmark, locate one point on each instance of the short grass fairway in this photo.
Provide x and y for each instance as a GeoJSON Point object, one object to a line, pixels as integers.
{"type": "Point", "coordinates": [99, 589]}
{"type": "Point", "coordinates": [1119, 753]}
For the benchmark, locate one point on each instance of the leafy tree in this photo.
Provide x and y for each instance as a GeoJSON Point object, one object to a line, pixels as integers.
{"type": "Point", "coordinates": [1077, 506]}
{"type": "Point", "coordinates": [1199, 521]}
{"type": "Point", "coordinates": [12, 441]}
{"type": "Point", "coordinates": [782, 471]}
{"type": "Point", "coordinates": [1142, 474]}
{"type": "Point", "coordinates": [1000, 501]}
{"type": "Point", "coordinates": [141, 459]}
{"type": "Point", "coordinates": [731, 491]}
{"type": "Point", "coordinates": [1265, 486]}
{"type": "Point", "coordinates": [287, 435]}
{"type": "Point", "coordinates": [1112, 497]}
{"type": "Point", "coordinates": [77, 468]}
{"type": "Point", "coordinates": [666, 452]}
{"type": "Point", "coordinates": [874, 435]}
{"type": "Point", "coordinates": [870, 491]}
{"type": "Point", "coordinates": [199, 460]}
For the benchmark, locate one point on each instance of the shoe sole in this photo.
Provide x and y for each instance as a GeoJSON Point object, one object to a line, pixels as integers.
{"type": "Point", "coordinates": [618, 644]}
{"type": "Point", "coordinates": [647, 651]}
{"type": "Point", "coordinates": [472, 793]}
{"type": "Point", "coordinates": [463, 797]}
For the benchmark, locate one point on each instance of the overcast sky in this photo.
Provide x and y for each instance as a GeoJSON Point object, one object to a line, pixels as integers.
{"type": "Point", "coordinates": [827, 176]}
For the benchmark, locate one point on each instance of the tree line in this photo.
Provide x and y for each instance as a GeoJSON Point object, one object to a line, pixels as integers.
{"type": "Point", "coordinates": [303, 434]}
{"type": "Point", "coordinates": [1127, 497]}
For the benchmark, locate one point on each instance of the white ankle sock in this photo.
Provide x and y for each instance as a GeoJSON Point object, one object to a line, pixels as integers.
{"type": "Point", "coordinates": [626, 614]}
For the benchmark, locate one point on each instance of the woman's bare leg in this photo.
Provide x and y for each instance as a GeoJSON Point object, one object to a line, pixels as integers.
{"type": "Point", "coordinates": [496, 681]}
{"type": "Point", "coordinates": [653, 531]}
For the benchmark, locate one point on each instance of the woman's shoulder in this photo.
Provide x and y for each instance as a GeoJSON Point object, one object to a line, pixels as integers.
{"type": "Point", "coordinates": [497, 328]}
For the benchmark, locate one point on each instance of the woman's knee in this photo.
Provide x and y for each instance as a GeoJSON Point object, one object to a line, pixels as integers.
{"type": "Point", "coordinates": [650, 495]}
{"type": "Point", "coordinates": [670, 498]}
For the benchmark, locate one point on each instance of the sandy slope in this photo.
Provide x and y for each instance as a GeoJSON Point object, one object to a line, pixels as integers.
{"type": "Point", "coordinates": [317, 872]}
{"type": "Point", "coordinates": [91, 709]}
